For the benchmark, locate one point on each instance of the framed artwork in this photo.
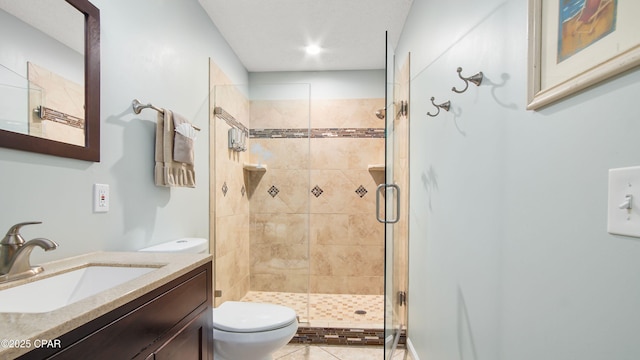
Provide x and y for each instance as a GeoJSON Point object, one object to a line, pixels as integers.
{"type": "Point", "coordinates": [574, 44]}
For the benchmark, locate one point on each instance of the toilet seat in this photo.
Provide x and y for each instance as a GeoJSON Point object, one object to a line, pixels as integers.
{"type": "Point", "coordinates": [247, 317]}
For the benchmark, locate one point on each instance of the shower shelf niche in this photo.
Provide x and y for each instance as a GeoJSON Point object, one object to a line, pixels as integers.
{"type": "Point", "coordinates": [376, 167]}
{"type": "Point", "coordinates": [255, 167]}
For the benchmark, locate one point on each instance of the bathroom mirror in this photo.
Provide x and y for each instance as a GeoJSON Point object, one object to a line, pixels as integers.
{"type": "Point", "coordinates": [47, 52]}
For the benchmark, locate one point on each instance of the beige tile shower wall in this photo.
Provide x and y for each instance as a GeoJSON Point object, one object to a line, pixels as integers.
{"type": "Point", "coordinates": [229, 200]}
{"type": "Point", "coordinates": [279, 114]}
{"type": "Point", "coordinates": [279, 222]}
{"type": "Point", "coordinates": [346, 113]}
{"type": "Point", "coordinates": [346, 244]}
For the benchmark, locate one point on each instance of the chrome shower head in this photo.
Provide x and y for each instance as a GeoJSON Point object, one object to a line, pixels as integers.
{"type": "Point", "coordinates": [380, 113]}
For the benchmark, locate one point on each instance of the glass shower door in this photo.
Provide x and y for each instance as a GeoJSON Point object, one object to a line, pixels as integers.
{"type": "Point", "coordinates": [395, 194]}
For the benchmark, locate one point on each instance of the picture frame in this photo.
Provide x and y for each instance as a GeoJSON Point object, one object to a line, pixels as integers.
{"type": "Point", "coordinates": [553, 75]}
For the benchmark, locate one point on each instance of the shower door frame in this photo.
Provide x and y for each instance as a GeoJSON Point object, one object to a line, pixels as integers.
{"type": "Point", "coordinates": [391, 326]}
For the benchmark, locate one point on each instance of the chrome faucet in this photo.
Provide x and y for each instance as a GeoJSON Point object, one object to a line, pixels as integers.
{"type": "Point", "coordinates": [15, 253]}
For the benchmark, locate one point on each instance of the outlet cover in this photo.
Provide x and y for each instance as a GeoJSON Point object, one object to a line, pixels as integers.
{"type": "Point", "coordinates": [101, 198]}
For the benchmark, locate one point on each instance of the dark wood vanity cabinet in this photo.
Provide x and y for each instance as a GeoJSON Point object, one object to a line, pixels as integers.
{"type": "Point", "coordinates": [171, 322]}
{"type": "Point", "coordinates": [189, 343]}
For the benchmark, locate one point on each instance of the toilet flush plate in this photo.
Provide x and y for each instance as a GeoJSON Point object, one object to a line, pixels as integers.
{"type": "Point", "coordinates": [623, 207]}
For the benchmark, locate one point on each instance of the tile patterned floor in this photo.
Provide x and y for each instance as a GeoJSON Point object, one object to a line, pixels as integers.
{"type": "Point", "coordinates": [331, 310]}
{"type": "Point", "coordinates": [328, 310]}
{"type": "Point", "coordinates": [312, 352]}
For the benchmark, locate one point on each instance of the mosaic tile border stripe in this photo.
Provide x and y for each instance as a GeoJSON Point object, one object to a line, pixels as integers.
{"type": "Point", "coordinates": [60, 117]}
{"type": "Point", "coordinates": [228, 118]}
{"type": "Point", "coordinates": [368, 133]}
{"type": "Point", "coordinates": [342, 336]}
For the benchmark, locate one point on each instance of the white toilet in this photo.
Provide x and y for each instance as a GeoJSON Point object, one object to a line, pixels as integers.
{"type": "Point", "coordinates": [251, 331]}
{"type": "Point", "coordinates": [241, 330]}
{"type": "Point", "coordinates": [183, 245]}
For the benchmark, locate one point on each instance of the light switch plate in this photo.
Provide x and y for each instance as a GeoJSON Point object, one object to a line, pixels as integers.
{"type": "Point", "coordinates": [623, 219]}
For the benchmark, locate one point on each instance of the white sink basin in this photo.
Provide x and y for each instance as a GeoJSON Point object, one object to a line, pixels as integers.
{"type": "Point", "coordinates": [66, 288]}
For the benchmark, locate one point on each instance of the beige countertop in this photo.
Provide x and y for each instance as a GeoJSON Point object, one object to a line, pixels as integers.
{"type": "Point", "coordinates": [25, 328]}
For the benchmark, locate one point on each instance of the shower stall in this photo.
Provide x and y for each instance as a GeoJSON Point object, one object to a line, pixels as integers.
{"type": "Point", "coordinates": [293, 210]}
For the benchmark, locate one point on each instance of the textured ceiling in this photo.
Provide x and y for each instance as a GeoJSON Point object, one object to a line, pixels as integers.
{"type": "Point", "coordinates": [271, 35]}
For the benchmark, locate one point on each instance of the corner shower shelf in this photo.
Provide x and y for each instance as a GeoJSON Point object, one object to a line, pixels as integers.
{"type": "Point", "coordinates": [376, 167]}
{"type": "Point", "coordinates": [255, 167]}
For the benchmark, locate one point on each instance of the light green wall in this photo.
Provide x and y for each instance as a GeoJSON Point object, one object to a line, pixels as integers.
{"type": "Point", "coordinates": [157, 52]}
{"type": "Point", "coordinates": [509, 253]}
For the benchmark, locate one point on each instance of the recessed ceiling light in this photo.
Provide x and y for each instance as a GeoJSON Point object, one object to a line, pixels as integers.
{"type": "Point", "coordinates": [313, 49]}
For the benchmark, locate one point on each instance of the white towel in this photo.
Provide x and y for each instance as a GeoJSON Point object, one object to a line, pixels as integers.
{"type": "Point", "coordinates": [185, 134]}
{"type": "Point", "coordinates": [168, 172]}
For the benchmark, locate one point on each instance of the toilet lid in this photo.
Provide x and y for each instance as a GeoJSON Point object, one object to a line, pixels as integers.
{"type": "Point", "coordinates": [246, 317]}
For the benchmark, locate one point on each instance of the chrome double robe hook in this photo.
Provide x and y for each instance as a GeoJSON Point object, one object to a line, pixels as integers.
{"type": "Point", "coordinates": [445, 105]}
{"type": "Point", "coordinates": [476, 79]}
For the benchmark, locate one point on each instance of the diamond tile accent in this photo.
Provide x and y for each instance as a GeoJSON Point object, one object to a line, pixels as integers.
{"type": "Point", "coordinates": [317, 191]}
{"type": "Point", "coordinates": [361, 191]}
{"type": "Point", "coordinates": [273, 191]}
{"type": "Point", "coordinates": [225, 188]}
{"type": "Point", "coordinates": [243, 191]}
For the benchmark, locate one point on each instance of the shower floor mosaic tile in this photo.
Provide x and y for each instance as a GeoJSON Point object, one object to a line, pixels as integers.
{"type": "Point", "coordinates": [313, 352]}
{"type": "Point", "coordinates": [328, 310]}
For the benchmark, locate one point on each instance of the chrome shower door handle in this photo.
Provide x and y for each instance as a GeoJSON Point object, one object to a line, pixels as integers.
{"type": "Point", "coordinates": [397, 190]}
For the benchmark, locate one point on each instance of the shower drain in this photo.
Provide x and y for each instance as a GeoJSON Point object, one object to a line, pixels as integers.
{"type": "Point", "coordinates": [360, 312]}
